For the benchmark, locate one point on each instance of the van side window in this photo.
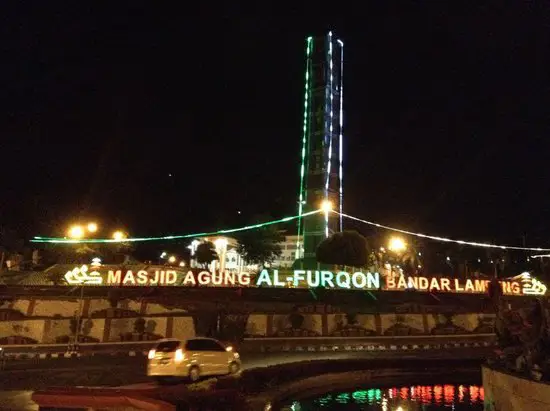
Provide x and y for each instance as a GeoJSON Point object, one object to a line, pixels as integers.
{"type": "Point", "coordinates": [214, 346]}
{"type": "Point", "coordinates": [196, 345]}
{"type": "Point", "coordinates": [167, 346]}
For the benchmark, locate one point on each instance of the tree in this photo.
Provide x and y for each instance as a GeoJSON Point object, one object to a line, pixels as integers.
{"type": "Point", "coordinates": [260, 245]}
{"type": "Point", "coordinates": [345, 248]}
{"type": "Point", "coordinates": [206, 253]}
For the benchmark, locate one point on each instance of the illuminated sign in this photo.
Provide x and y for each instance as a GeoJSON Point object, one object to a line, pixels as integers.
{"type": "Point", "coordinates": [80, 276]}
{"type": "Point", "coordinates": [523, 284]}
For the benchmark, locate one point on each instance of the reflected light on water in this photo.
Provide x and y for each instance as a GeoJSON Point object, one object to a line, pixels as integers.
{"type": "Point", "coordinates": [392, 399]}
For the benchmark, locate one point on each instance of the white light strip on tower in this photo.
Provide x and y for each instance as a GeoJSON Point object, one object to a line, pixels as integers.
{"type": "Point", "coordinates": [327, 184]}
{"type": "Point", "coordinates": [302, 199]}
{"type": "Point", "coordinates": [341, 137]}
{"type": "Point", "coordinates": [444, 239]}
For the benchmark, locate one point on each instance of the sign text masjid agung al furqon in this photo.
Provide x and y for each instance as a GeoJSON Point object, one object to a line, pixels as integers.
{"type": "Point", "coordinates": [522, 284]}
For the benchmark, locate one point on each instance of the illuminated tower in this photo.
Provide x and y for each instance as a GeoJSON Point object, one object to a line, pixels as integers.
{"type": "Point", "coordinates": [321, 172]}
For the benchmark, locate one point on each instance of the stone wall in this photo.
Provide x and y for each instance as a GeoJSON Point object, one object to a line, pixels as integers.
{"type": "Point", "coordinates": [505, 392]}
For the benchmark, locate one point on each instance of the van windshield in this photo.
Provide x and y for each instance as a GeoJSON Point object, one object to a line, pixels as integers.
{"type": "Point", "coordinates": [168, 346]}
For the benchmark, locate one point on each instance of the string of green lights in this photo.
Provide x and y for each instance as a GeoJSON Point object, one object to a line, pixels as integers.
{"type": "Point", "coordinates": [57, 240]}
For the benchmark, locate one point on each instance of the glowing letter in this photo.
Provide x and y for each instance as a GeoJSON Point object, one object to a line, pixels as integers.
{"type": "Point", "coordinates": [401, 283]}
{"type": "Point", "coordinates": [326, 278]}
{"type": "Point", "coordinates": [189, 278]}
{"type": "Point", "coordinates": [343, 280]}
{"type": "Point", "coordinates": [244, 278]}
{"type": "Point", "coordinates": [458, 288]}
{"type": "Point", "coordinates": [264, 278]}
{"type": "Point", "coordinates": [129, 278]}
{"type": "Point", "coordinates": [142, 277]}
{"type": "Point", "coordinates": [480, 286]}
{"type": "Point", "coordinates": [114, 277]}
{"type": "Point", "coordinates": [359, 280]}
{"type": "Point", "coordinates": [217, 279]}
{"type": "Point", "coordinates": [373, 281]}
{"type": "Point", "coordinates": [390, 283]}
{"type": "Point", "coordinates": [469, 285]}
{"type": "Point", "coordinates": [228, 278]}
{"type": "Point", "coordinates": [170, 277]}
{"type": "Point", "coordinates": [276, 281]}
{"type": "Point", "coordinates": [423, 283]}
{"type": "Point", "coordinates": [204, 277]}
{"type": "Point", "coordinates": [434, 284]}
{"type": "Point", "coordinates": [313, 282]}
{"type": "Point", "coordinates": [445, 284]}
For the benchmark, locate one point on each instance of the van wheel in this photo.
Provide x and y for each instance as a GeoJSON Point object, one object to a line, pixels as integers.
{"type": "Point", "coordinates": [194, 374]}
{"type": "Point", "coordinates": [234, 368]}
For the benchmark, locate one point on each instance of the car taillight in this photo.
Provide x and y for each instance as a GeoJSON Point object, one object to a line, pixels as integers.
{"type": "Point", "coordinates": [151, 354]}
{"type": "Point", "coordinates": [179, 357]}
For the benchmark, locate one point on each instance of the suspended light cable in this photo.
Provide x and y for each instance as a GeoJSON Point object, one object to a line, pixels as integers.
{"type": "Point", "coordinates": [169, 237]}
{"type": "Point", "coordinates": [442, 239]}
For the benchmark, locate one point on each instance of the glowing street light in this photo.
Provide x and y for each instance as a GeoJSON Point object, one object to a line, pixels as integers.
{"type": "Point", "coordinates": [119, 235]}
{"type": "Point", "coordinates": [326, 206]}
{"type": "Point", "coordinates": [163, 255]}
{"type": "Point", "coordinates": [76, 232]}
{"type": "Point", "coordinates": [92, 227]}
{"type": "Point", "coordinates": [172, 259]}
{"type": "Point", "coordinates": [182, 263]}
{"type": "Point", "coordinates": [397, 245]}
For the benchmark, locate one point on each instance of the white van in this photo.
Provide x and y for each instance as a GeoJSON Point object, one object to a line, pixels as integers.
{"type": "Point", "coordinates": [192, 358]}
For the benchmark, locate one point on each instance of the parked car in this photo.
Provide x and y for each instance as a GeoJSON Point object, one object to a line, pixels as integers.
{"type": "Point", "coordinates": [192, 358]}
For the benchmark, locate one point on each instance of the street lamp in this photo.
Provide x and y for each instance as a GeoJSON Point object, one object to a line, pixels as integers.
{"type": "Point", "coordinates": [92, 227]}
{"type": "Point", "coordinates": [119, 235]}
{"type": "Point", "coordinates": [172, 259]}
{"type": "Point", "coordinates": [397, 245]}
{"type": "Point", "coordinates": [76, 232]}
{"type": "Point", "coordinates": [326, 206]}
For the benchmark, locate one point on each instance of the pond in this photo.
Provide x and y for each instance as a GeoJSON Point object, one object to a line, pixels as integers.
{"type": "Point", "coordinates": [409, 398]}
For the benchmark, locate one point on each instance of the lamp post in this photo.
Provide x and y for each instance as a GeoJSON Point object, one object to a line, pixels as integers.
{"type": "Point", "coordinates": [396, 245]}
{"type": "Point", "coordinates": [221, 249]}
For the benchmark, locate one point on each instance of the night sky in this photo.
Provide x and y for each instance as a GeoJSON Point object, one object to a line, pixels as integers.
{"type": "Point", "coordinates": [162, 121]}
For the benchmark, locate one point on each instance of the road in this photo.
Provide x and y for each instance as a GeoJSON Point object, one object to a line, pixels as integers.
{"type": "Point", "coordinates": [130, 372]}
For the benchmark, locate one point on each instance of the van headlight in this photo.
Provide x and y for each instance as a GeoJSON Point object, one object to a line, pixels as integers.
{"type": "Point", "coordinates": [151, 354]}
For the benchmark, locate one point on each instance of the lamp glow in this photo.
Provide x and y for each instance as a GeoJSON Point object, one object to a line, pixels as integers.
{"type": "Point", "coordinates": [172, 259]}
{"type": "Point", "coordinates": [92, 227]}
{"type": "Point", "coordinates": [326, 206]}
{"type": "Point", "coordinates": [119, 235]}
{"type": "Point", "coordinates": [76, 232]}
{"type": "Point", "coordinates": [397, 244]}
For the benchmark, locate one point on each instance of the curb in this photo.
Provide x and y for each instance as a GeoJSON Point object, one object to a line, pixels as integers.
{"type": "Point", "coordinates": [72, 355]}
{"type": "Point", "coordinates": [378, 347]}
{"type": "Point", "coordinates": [97, 399]}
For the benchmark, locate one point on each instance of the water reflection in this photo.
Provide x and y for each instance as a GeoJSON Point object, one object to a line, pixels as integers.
{"type": "Point", "coordinates": [411, 398]}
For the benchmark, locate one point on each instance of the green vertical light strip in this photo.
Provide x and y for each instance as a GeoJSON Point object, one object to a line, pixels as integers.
{"type": "Point", "coordinates": [301, 196]}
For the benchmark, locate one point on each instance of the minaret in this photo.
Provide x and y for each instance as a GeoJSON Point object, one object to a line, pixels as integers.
{"type": "Point", "coordinates": [321, 173]}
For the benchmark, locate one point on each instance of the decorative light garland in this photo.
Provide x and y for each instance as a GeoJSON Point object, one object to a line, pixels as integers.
{"type": "Point", "coordinates": [284, 220]}
{"type": "Point", "coordinates": [168, 237]}
{"type": "Point", "coordinates": [443, 239]}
